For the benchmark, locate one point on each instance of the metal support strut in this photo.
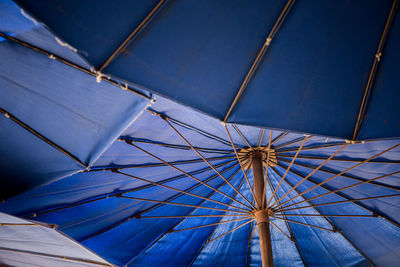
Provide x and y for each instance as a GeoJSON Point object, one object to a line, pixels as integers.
{"type": "Point", "coordinates": [261, 214]}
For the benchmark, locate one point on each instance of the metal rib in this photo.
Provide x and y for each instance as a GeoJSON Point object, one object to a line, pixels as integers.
{"type": "Point", "coordinates": [259, 57]}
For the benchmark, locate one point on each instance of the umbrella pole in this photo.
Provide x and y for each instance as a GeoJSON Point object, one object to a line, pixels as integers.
{"type": "Point", "coordinates": [261, 214]}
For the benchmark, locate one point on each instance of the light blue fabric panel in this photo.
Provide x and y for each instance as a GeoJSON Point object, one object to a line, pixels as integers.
{"type": "Point", "coordinates": [29, 246]}
{"type": "Point", "coordinates": [63, 104]}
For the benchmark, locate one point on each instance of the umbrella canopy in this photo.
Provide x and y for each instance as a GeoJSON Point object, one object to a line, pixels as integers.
{"type": "Point", "coordinates": [325, 67]}
{"type": "Point", "coordinates": [84, 144]}
{"type": "Point", "coordinates": [28, 243]}
{"type": "Point", "coordinates": [171, 191]}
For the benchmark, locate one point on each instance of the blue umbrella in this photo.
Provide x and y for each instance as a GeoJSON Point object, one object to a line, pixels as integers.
{"type": "Point", "coordinates": [143, 180]}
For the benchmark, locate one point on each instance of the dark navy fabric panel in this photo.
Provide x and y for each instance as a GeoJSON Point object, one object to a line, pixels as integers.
{"type": "Point", "coordinates": [96, 29]}
{"type": "Point", "coordinates": [382, 117]}
{"type": "Point", "coordinates": [63, 104]}
{"type": "Point", "coordinates": [312, 78]}
{"type": "Point", "coordinates": [197, 52]}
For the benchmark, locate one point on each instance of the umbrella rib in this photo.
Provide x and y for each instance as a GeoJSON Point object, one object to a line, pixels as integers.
{"type": "Point", "coordinates": [208, 163]}
{"type": "Point", "coordinates": [346, 187]}
{"type": "Point", "coordinates": [208, 225]}
{"type": "Point", "coordinates": [179, 190]}
{"type": "Point", "coordinates": [19, 224]}
{"type": "Point", "coordinates": [328, 220]}
{"type": "Point", "coordinates": [295, 141]}
{"type": "Point", "coordinates": [242, 136]}
{"type": "Point", "coordinates": [187, 126]}
{"type": "Point", "coordinates": [64, 258]}
{"type": "Point", "coordinates": [150, 165]}
{"type": "Point", "coordinates": [133, 34]}
{"type": "Point", "coordinates": [75, 66]}
{"type": "Point", "coordinates": [280, 230]}
{"type": "Point", "coordinates": [336, 159]}
{"type": "Point", "coordinates": [339, 202]}
{"type": "Point", "coordinates": [130, 190]}
{"type": "Point", "coordinates": [146, 141]}
{"type": "Point", "coordinates": [312, 147]}
{"type": "Point", "coordinates": [43, 138]}
{"type": "Point", "coordinates": [305, 224]}
{"type": "Point", "coordinates": [264, 205]}
{"type": "Point", "coordinates": [279, 137]}
{"type": "Point", "coordinates": [374, 69]}
{"type": "Point", "coordinates": [342, 172]}
{"type": "Point", "coordinates": [305, 178]}
{"type": "Point", "coordinates": [259, 57]}
{"type": "Point", "coordinates": [287, 170]}
{"type": "Point", "coordinates": [325, 215]}
{"type": "Point", "coordinates": [192, 216]}
{"type": "Point", "coordinates": [260, 138]}
{"type": "Point", "coordinates": [345, 175]}
{"type": "Point", "coordinates": [191, 176]}
{"type": "Point", "coordinates": [240, 163]}
{"type": "Point", "coordinates": [234, 229]}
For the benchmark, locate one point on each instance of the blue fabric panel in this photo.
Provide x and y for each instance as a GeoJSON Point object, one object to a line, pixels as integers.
{"type": "Point", "coordinates": [199, 39]}
{"type": "Point", "coordinates": [18, 23]}
{"type": "Point", "coordinates": [385, 205]}
{"type": "Point", "coordinates": [375, 237]}
{"type": "Point", "coordinates": [85, 187]}
{"type": "Point", "coordinates": [121, 153]}
{"type": "Point", "coordinates": [318, 247]}
{"type": "Point", "coordinates": [85, 24]}
{"type": "Point", "coordinates": [314, 73]}
{"type": "Point", "coordinates": [65, 105]}
{"type": "Point", "coordinates": [196, 119]}
{"type": "Point", "coordinates": [283, 250]}
{"type": "Point", "coordinates": [254, 250]}
{"type": "Point", "coordinates": [365, 171]}
{"type": "Point", "coordinates": [180, 248]}
{"type": "Point", "coordinates": [153, 127]}
{"type": "Point", "coordinates": [382, 117]}
{"type": "Point", "coordinates": [125, 236]}
{"type": "Point", "coordinates": [83, 220]}
{"type": "Point", "coordinates": [30, 169]}
{"type": "Point", "coordinates": [233, 247]}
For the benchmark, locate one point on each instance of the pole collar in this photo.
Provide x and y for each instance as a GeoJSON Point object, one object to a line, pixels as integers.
{"type": "Point", "coordinates": [261, 216]}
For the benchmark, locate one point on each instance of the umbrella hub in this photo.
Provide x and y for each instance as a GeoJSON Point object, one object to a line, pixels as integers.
{"type": "Point", "coordinates": [246, 154]}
